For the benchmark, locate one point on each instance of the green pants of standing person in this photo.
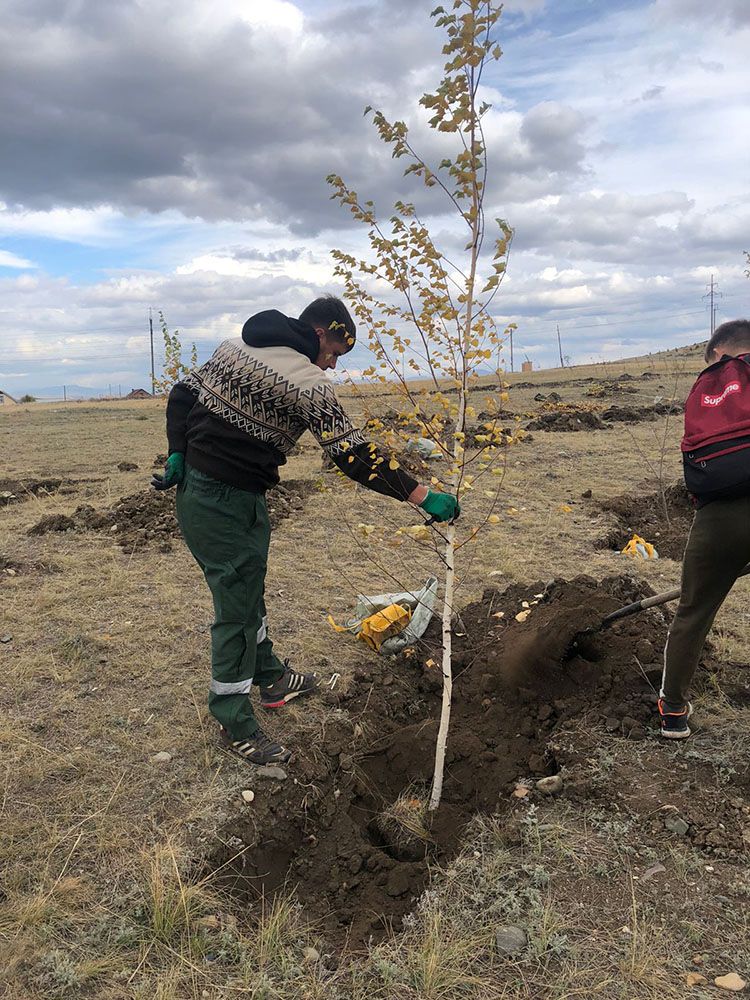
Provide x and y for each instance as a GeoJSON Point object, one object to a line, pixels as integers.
{"type": "Point", "coordinates": [228, 532]}
{"type": "Point", "coordinates": [718, 548]}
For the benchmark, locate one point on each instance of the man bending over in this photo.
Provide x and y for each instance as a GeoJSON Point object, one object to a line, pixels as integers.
{"type": "Point", "coordinates": [230, 425]}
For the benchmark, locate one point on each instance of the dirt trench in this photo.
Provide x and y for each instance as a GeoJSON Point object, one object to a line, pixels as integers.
{"type": "Point", "coordinates": [348, 829]}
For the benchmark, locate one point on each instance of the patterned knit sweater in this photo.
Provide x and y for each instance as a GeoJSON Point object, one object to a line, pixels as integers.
{"type": "Point", "coordinates": [238, 416]}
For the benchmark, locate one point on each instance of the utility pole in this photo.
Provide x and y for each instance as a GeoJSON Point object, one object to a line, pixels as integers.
{"type": "Point", "coordinates": [559, 344]}
{"type": "Point", "coordinates": [712, 294]}
{"type": "Point", "coordinates": [65, 394]}
{"type": "Point", "coordinates": [511, 351]}
{"type": "Point", "coordinates": [151, 332]}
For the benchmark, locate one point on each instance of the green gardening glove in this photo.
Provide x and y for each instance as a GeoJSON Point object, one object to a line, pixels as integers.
{"type": "Point", "coordinates": [174, 470]}
{"type": "Point", "coordinates": [442, 506]}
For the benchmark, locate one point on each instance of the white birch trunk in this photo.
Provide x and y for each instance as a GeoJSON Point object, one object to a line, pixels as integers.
{"type": "Point", "coordinates": [447, 664]}
{"type": "Point", "coordinates": [445, 711]}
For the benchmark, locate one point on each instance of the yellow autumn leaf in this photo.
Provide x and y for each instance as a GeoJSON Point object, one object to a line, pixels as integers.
{"type": "Point", "coordinates": [523, 615]}
{"type": "Point", "coordinates": [493, 519]}
{"type": "Point", "coordinates": [393, 464]}
{"type": "Point", "coordinates": [565, 508]}
{"type": "Point", "coordinates": [512, 511]}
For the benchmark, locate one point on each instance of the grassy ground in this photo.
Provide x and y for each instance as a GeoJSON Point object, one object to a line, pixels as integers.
{"type": "Point", "coordinates": [103, 890]}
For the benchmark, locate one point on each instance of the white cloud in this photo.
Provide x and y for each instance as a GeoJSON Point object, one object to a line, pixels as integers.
{"type": "Point", "coordinates": [618, 151]}
{"type": "Point", "coordinates": [8, 259]}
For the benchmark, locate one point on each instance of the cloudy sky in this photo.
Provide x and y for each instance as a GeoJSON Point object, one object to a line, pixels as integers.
{"type": "Point", "coordinates": [173, 156]}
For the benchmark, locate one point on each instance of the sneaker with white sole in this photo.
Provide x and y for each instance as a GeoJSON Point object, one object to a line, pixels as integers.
{"type": "Point", "coordinates": [256, 749]}
{"type": "Point", "coordinates": [674, 723]}
{"type": "Point", "coordinates": [289, 686]}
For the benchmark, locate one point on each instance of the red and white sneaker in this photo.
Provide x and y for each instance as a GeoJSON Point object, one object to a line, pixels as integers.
{"type": "Point", "coordinates": [674, 724]}
{"type": "Point", "coordinates": [289, 686]}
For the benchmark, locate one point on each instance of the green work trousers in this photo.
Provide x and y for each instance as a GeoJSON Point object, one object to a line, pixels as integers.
{"type": "Point", "coordinates": [717, 550]}
{"type": "Point", "coordinates": [228, 532]}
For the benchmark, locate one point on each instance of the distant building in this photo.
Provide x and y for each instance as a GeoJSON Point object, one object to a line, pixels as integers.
{"type": "Point", "coordinates": [527, 366]}
{"type": "Point", "coordinates": [6, 399]}
{"type": "Point", "coordinates": [139, 394]}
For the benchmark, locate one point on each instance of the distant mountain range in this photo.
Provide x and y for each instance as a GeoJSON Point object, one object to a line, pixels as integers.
{"type": "Point", "coordinates": [55, 392]}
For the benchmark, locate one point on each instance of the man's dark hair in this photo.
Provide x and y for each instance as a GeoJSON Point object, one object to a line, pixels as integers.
{"type": "Point", "coordinates": [331, 313]}
{"type": "Point", "coordinates": [734, 336]}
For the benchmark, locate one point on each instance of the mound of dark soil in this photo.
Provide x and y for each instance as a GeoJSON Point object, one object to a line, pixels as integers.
{"type": "Point", "coordinates": [148, 520]}
{"type": "Point", "coordinates": [351, 833]}
{"type": "Point", "coordinates": [569, 419]}
{"type": "Point", "coordinates": [288, 498]}
{"type": "Point", "coordinates": [18, 490]}
{"type": "Point", "coordinates": [497, 416]}
{"type": "Point", "coordinates": [127, 466]}
{"type": "Point", "coordinates": [645, 515]}
{"type": "Point", "coordinates": [634, 414]}
{"type": "Point", "coordinates": [144, 520]}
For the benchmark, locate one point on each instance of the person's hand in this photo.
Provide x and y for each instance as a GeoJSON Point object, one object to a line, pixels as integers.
{"type": "Point", "coordinates": [174, 470]}
{"type": "Point", "coordinates": [442, 506]}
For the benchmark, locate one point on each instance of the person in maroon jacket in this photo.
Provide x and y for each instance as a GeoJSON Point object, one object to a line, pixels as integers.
{"type": "Point", "coordinates": [717, 473]}
{"type": "Point", "coordinates": [230, 425]}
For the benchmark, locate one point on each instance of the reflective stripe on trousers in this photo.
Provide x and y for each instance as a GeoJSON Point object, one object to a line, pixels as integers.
{"type": "Point", "coordinates": [240, 687]}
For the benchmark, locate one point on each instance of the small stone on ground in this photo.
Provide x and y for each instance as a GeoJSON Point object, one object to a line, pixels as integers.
{"type": "Point", "coordinates": [731, 982]}
{"type": "Point", "coordinates": [551, 785]}
{"type": "Point", "coordinates": [676, 824]}
{"type": "Point", "coordinates": [510, 940]}
{"type": "Point", "coordinates": [271, 771]}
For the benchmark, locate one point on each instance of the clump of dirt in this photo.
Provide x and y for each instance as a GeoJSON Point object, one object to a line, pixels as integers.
{"type": "Point", "coordinates": [84, 518]}
{"type": "Point", "coordinates": [568, 418]}
{"type": "Point", "coordinates": [52, 522]}
{"type": "Point", "coordinates": [19, 490]}
{"type": "Point", "coordinates": [288, 498]}
{"type": "Point", "coordinates": [144, 520]}
{"type": "Point", "coordinates": [664, 520]}
{"type": "Point", "coordinates": [635, 414]}
{"type": "Point", "coordinates": [147, 519]}
{"type": "Point", "coordinates": [127, 466]}
{"type": "Point", "coordinates": [351, 833]}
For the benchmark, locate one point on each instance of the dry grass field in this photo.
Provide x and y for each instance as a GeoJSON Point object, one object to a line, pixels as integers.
{"type": "Point", "coordinates": [132, 866]}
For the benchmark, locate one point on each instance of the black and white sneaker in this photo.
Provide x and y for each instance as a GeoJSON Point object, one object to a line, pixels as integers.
{"type": "Point", "coordinates": [674, 724]}
{"type": "Point", "coordinates": [255, 749]}
{"type": "Point", "coordinates": [290, 685]}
